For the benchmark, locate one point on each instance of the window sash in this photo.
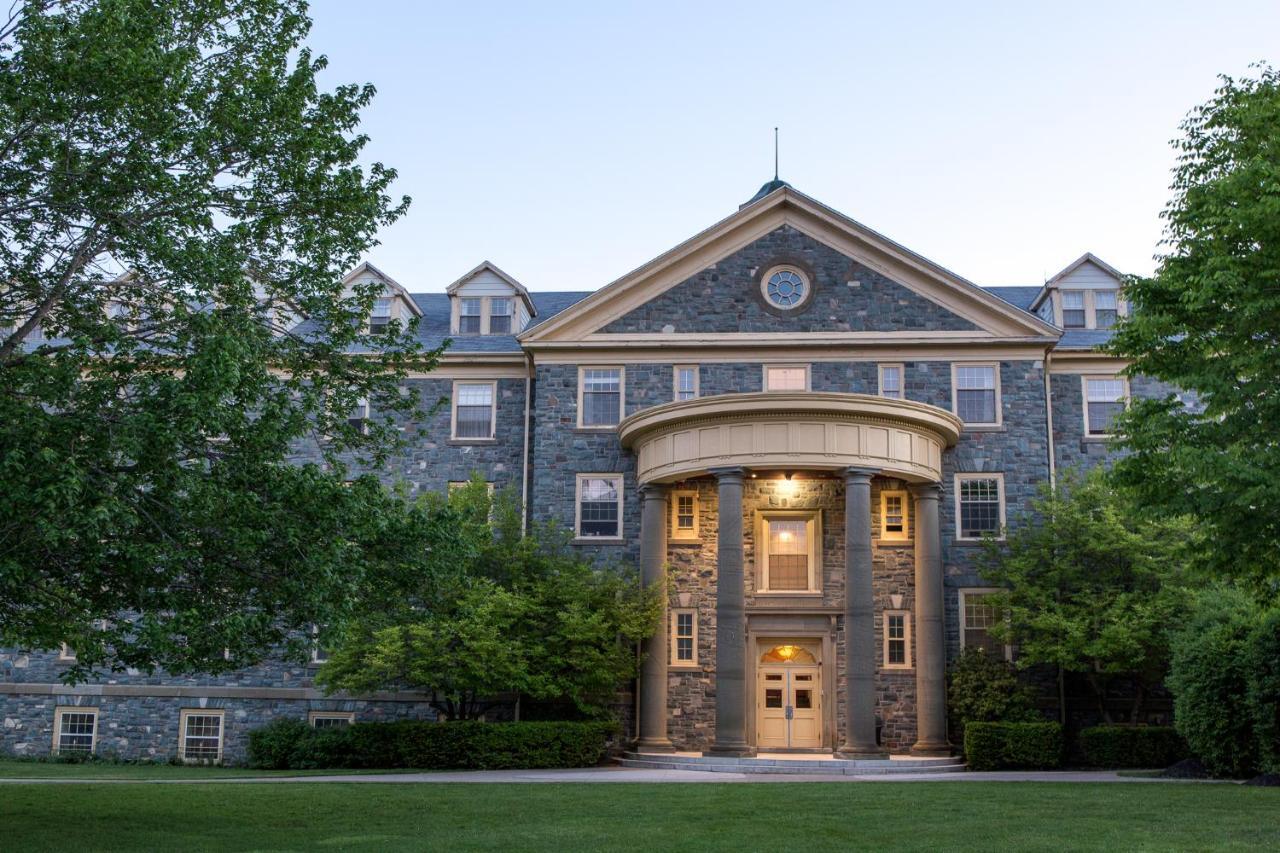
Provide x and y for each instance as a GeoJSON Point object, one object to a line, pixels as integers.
{"type": "Point", "coordinates": [381, 314]}
{"type": "Point", "coordinates": [1105, 311]}
{"type": "Point", "coordinates": [891, 381]}
{"type": "Point", "coordinates": [686, 383]}
{"type": "Point", "coordinates": [1073, 316]}
{"type": "Point", "coordinates": [76, 730]}
{"type": "Point", "coordinates": [976, 393]}
{"type": "Point", "coordinates": [601, 396]}
{"type": "Point", "coordinates": [893, 515]}
{"type": "Point", "coordinates": [979, 618]}
{"type": "Point", "coordinates": [685, 516]}
{"type": "Point", "coordinates": [684, 636]}
{"type": "Point", "coordinates": [473, 411]}
{"type": "Point", "coordinates": [499, 316]}
{"type": "Point", "coordinates": [979, 507]}
{"type": "Point", "coordinates": [895, 627]}
{"type": "Point", "coordinates": [202, 737]}
{"type": "Point", "coordinates": [599, 507]}
{"type": "Point", "coordinates": [1104, 399]}
{"type": "Point", "coordinates": [469, 316]}
{"type": "Point", "coordinates": [789, 554]}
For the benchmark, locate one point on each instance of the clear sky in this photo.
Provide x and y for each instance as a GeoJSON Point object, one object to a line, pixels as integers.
{"type": "Point", "coordinates": [571, 142]}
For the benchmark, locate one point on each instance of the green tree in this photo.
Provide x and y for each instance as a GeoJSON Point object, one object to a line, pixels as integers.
{"type": "Point", "coordinates": [176, 191]}
{"type": "Point", "coordinates": [1208, 322]}
{"type": "Point", "coordinates": [1091, 585]}
{"type": "Point", "coordinates": [487, 610]}
{"type": "Point", "coordinates": [983, 688]}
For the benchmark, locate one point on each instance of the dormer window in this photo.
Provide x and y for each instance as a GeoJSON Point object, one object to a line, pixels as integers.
{"type": "Point", "coordinates": [469, 316]}
{"type": "Point", "coordinates": [499, 316]}
{"type": "Point", "coordinates": [1104, 308]}
{"type": "Point", "coordinates": [1073, 309]}
{"type": "Point", "coordinates": [381, 316]}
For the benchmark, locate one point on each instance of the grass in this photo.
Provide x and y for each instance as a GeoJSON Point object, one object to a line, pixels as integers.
{"type": "Point", "coordinates": [625, 816]}
{"type": "Point", "coordinates": [103, 770]}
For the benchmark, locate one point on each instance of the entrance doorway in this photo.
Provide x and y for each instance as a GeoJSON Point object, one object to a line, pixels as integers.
{"type": "Point", "coordinates": [788, 699]}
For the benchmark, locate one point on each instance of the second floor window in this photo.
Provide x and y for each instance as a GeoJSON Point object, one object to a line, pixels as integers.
{"type": "Point", "coordinates": [686, 380]}
{"type": "Point", "coordinates": [601, 396]}
{"type": "Point", "coordinates": [893, 516]}
{"type": "Point", "coordinates": [980, 505]}
{"type": "Point", "coordinates": [1104, 399]}
{"type": "Point", "coordinates": [473, 410]}
{"type": "Point", "coordinates": [977, 617]}
{"type": "Point", "coordinates": [976, 393]}
{"type": "Point", "coordinates": [499, 316]}
{"type": "Point", "coordinates": [381, 316]}
{"type": "Point", "coordinates": [684, 637]}
{"type": "Point", "coordinates": [1073, 309]}
{"type": "Point", "coordinates": [600, 506]}
{"type": "Point", "coordinates": [789, 553]}
{"type": "Point", "coordinates": [1104, 308]}
{"type": "Point", "coordinates": [469, 316]}
{"type": "Point", "coordinates": [891, 381]}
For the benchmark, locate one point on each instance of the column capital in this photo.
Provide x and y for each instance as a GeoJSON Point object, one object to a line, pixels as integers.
{"type": "Point", "coordinates": [730, 475]}
{"type": "Point", "coordinates": [859, 475]}
{"type": "Point", "coordinates": [653, 491]}
{"type": "Point", "coordinates": [927, 491]}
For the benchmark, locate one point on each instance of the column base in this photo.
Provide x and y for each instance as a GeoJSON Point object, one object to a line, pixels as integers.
{"type": "Point", "coordinates": [939, 749]}
{"type": "Point", "coordinates": [851, 752]}
{"type": "Point", "coordinates": [654, 744]}
{"type": "Point", "coordinates": [731, 750]}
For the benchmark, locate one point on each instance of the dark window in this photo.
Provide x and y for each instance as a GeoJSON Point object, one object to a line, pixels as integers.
{"type": "Point", "coordinates": [499, 316]}
{"type": "Point", "coordinates": [976, 393]}
{"type": "Point", "coordinates": [601, 396]}
{"type": "Point", "coordinates": [598, 507]}
{"type": "Point", "coordinates": [474, 417]}
{"type": "Point", "coordinates": [1073, 309]}
{"type": "Point", "coordinates": [469, 316]}
{"type": "Point", "coordinates": [979, 507]}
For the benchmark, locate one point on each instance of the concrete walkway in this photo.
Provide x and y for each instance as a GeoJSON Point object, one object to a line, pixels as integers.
{"type": "Point", "coordinates": [610, 774]}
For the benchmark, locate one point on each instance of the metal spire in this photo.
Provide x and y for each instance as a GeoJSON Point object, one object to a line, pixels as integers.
{"type": "Point", "coordinates": [775, 154]}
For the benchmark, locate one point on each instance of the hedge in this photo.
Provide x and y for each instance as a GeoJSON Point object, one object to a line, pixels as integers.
{"type": "Point", "coordinates": [1022, 746]}
{"type": "Point", "coordinates": [292, 744]}
{"type": "Point", "coordinates": [1132, 746]}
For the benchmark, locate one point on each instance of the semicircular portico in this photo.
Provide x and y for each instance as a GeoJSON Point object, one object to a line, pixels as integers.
{"type": "Point", "coordinates": [790, 430]}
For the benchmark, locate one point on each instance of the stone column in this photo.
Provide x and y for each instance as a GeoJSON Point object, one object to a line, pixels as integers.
{"type": "Point", "coordinates": [931, 683]}
{"type": "Point", "coordinates": [731, 622]}
{"type": "Point", "coordinates": [860, 645]}
{"type": "Point", "coordinates": [652, 726]}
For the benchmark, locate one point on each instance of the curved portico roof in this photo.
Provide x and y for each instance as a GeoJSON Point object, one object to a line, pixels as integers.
{"type": "Point", "coordinates": [790, 430]}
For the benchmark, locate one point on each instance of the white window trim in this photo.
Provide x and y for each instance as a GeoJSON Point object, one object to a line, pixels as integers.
{"type": "Point", "coordinates": [814, 518]}
{"type": "Point", "coordinates": [183, 714]}
{"type": "Point", "coordinates": [58, 711]}
{"type": "Point", "coordinates": [622, 394]}
{"type": "Point", "coordinates": [905, 535]}
{"type": "Point", "coordinates": [66, 653]}
{"type": "Point", "coordinates": [493, 409]}
{"type": "Point", "coordinates": [1084, 401]}
{"type": "Point", "coordinates": [799, 273]}
{"type": "Point", "coordinates": [764, 375]}
{"type": "Point", "coordinates": [902, 379]}
{"type": "Point", "coordinates": [1091, 307]}
{"type": "Point", "coordinates": [678, 535]}
{"type": "Point", "coordinates": [486, 320]}
{"type": "Point", "coordinates": [955, 396]}
{"type": "Point", "coordinates": [978, 590]}
{"type": "Point", "coordinates": [906, 636]}
{"type": "Point", "coordinates": [457, 315]}
{"type": "Point", "coordinates": [683, 664]}
{"type": "Point", "coordinates": [1086, 300]}
{"type": "Point", "coordinates": [675, 381]}
{"type": "Point", "coordinates": [395, 313]}
{"type": "Point", "coordinates": [312, 716]}
{"type": "Point", "coordinates": [577, 508]}
{"type": "Point", "coordinates": [978, 475]}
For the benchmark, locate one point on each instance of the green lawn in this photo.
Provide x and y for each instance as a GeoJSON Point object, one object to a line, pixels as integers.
{"type": "Point", "coordinates": [615, 816]}
{"type": "Point", "coordinates": [59, 770]}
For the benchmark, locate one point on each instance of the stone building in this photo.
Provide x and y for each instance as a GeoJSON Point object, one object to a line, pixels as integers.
{"type": "Point", "coordinates": [811, 425]}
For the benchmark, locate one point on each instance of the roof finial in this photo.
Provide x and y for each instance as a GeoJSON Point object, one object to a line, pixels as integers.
{"type": "Point", "coordinates": [775, 153]}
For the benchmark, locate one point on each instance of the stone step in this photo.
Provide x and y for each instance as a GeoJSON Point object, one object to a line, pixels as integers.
{"type": "Point", "coordinates": [792, 768]}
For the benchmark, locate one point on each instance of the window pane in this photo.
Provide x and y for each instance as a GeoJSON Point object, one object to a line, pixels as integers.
{"type": "Point", "coordinates": [601, 396]}
{"type": "Point", "coordinates": [75, 732]}
{"type": "Point", "coordinates": [684, 512]}
{"type": "Point", "coordinates": [976, 393]}
{"type": "Point", "coordinates": [474, 411]}
{"type": "Point", "coordinates": [1073, 309]}
{"type": "Point", "coordinates": [979, 617]}
{"type": "Point", "coordinates": [330, 722]}
{"type": "Point", "coordinates": [785, 379]}
{"type": "Point", "coordinates": [773, 698]}
{"type": "Point", "coordinates": [894, 514]}
{"type": "Point", "coordinates": [201, 736]}
{"type": "Point", "coordinates": [891, 381]}
{"type": "Point", "coordinates": [499, 316]}
{"type": "Point", "coordinates": [788, 554]}
{"type": "Point", "coordinates": [979, 507]}
{"type": "Point", "coordinates": [1104, 304]}
{"type": "Point", "coordinates": [599, 507]}
{"type": "Point", "coordinates": [469, 316]}
{"type": "Point", "coordinates": [686, 383]}
{"type": "Point", "coordinates": [1105, 400]}
{"type": "Point", "coordinates": [684, 648]}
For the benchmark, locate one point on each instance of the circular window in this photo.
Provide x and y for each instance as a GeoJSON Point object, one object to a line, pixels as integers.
{"type": "Point", "coordinates": [786, 288]}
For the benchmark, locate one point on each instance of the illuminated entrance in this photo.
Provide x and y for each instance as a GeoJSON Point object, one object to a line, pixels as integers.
{"type": "Point", "coordinates": [788, 698]}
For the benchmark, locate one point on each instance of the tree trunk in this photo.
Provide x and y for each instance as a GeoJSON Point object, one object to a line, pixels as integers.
{"type": "Point", "coordinates": [1101, 696]}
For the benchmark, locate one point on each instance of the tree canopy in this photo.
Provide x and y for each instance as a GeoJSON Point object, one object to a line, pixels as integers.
{"type": "Point", "coordinates": [177, 192]}
{"type": "Point", "coordinates": [1208, 322]}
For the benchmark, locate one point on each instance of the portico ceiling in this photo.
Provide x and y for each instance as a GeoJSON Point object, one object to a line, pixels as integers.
{"type": "Point", "coordinates": [790, 431]}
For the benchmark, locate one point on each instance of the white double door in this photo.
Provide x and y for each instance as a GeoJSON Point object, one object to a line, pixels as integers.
{"type": "Point", "coordinates": [788, 708]}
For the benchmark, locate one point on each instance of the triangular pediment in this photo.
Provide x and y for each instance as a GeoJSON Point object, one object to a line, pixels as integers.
{"type": "Point", "coordinates": [864, 274]}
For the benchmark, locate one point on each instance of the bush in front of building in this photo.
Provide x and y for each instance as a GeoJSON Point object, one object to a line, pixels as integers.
{"type": "Point", "coordinates": [294, 745]}
{"type": "Point", "coordinates": [984, 688]}
{"type": "Point", "coordinates": [1013, 746]}
{"type": "Point", "coordinates": [1132, 746]}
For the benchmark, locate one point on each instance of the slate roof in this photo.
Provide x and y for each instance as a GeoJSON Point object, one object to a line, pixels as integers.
{"type": "Point", "coordinates": [1083, 338]}
{"type": "Point", "coordinates": [433, 328]}
{"type": "Point", "coordinates": [1017, 295]}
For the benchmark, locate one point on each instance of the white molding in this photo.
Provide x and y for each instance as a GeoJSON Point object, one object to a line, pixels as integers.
{"type": "Point", "coordinates": [183, 714]}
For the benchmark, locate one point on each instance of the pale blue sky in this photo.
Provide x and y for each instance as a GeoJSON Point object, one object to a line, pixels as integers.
{"type": "Point", "coordinates": [571, 142]}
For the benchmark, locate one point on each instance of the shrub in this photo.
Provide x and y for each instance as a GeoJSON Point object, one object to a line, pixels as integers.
{"type": "Point", "coordinates": [984, 688]}
{"type": "Point", "coordinates": [1209, 677]}
{"type": "Point", "coordinates": [1132, 746]}
{"type": "Point", "coordinates": [1264, 690]}
{"type": "Point", "coordinates": [1020, 746]}
{"type": "Point", "coordinates": [292, 744]}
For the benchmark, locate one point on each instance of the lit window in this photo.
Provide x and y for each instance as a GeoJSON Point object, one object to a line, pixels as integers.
{"type": "Point", "coordinates": [785, 287]}
{"type": "Point", "coordinates": [788, 557]}
{"type": "Point", "coordinates": [981, 505]}
{"type": "Point", "coordinates": [686, 382]}
{"type": "Point", "coordinates": [1073, 309]}
{"type": "Point", "coordinates": [684, 515]}
{"type": "Point", "coordinates": [331, 719]}
{"type": "Point", "coordinates": [976, 400]}
{"type": "Point", "coordinates": [897, 639]}
{"type": "Point", "coordinates": [1105, 397]}
{"type": "Point", "coordinates": [600, 506]}
{"type": "Point", "coordinates": [1104, 308]}
{"type": "Point", "coordinates": [786, 378]}
{"type": "Point", "coordinates": [977, 617]}
{"type": "Point", "coordinates": [891, 381]}
{"type": "Point", "coordinates": [201, 735]}
{"type": "Point", "coordinates": [381, 316]}
{"type": "Point", "coordinates": [473, 409]}
{"type": "Point", "coordinates": [469, 315]}
{"type": "Point", "coordinates": [600, 396]}
{"type": "Point", "coordinates": [893, 516]}
{"type": "Point", "coordinates": [74, 729]}
{"type": "Point", "coordinates": [684, 637]}
{"type": "Point", "coordinates": [499, 316]}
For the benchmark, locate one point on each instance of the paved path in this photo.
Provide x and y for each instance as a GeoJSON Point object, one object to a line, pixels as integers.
{"type": "Point", "coordinates": [610, 774]}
